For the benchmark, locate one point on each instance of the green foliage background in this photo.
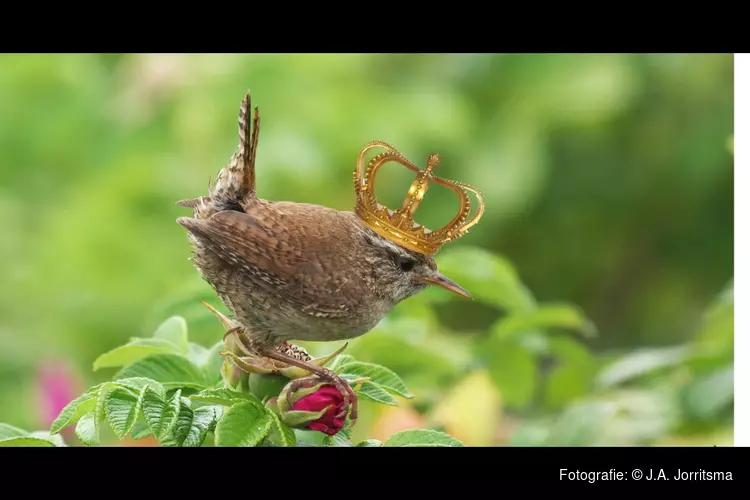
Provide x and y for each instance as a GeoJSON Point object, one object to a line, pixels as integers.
{"type": "Point", "coordinates": [602, 266]}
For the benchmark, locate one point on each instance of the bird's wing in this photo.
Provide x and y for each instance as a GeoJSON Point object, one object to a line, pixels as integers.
{"type": "Point", "coordinates": [292, 263]}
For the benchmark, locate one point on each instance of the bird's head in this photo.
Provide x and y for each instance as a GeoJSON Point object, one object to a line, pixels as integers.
{"type": "Point", "coordinates": [403, 273]}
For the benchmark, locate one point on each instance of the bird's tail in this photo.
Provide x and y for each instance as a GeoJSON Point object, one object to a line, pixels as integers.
{"type": "Point", "coordinates": [236, 181]}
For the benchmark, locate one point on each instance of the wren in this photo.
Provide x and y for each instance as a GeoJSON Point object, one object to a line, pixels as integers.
{"type": "Point", "coordinates": [302, 272]}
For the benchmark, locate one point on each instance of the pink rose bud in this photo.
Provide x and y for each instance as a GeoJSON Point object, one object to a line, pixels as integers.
{"type": "Point", "coordinates": [316, 408]}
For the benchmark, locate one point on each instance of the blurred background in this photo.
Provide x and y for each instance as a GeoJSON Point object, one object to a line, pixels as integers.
{"type": "Point", "coordinates": [602, 268]}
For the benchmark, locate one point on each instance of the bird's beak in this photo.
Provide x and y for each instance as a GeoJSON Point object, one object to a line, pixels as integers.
{"type": "Point", "coordinates": [442, 281]}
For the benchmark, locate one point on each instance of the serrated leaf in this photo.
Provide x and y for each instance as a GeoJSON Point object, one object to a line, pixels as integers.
{"type": "Point", "coordinates": [8, 431]}
{"type": "Point", "coordinates": [422, 437]}
{"type": "Point", "coordinates": [87, 430]}
{"type": "Point", "coordinates": [133, 351]}
{"type": "Point", "coordinates": [99, 415]}
{"type": "Point", "coordinates": [244, 425]}
{"type": "Point", "coordinates": [545, 316]}
{"type": "Point", "coordinates": [141, 430]}
{"type": "Point", "coordinates": [55, 439]}
{"type": "Point", "coordinates": [225, 397]}
{"type": "Point", "coordinates": [170, 370]}
{"type": "Point", "coordinates": [512, 369]}
{"type": "Point", "coordinates": [340, 361]}
{"type": "Point", "coordinates": [204, 420]}
{"type": "Point", "coordinates": [15, 436]}
{"type": "Point", "coordinates": [135, 384]}
{"type": "Point", "coordinates": [339, 440]}
{"type": "Point", "coordinates": [174, 330]}
{"type": "Point", "coordinates": [380, 375]}
{"type": "Point", "coordinates": [281, 434]}
{"type": "Point", "coordinates": [161, 415]}
{"type": "Point", "coordinates": [74, 410]}
{"type": "Point", "coordinates": [374, 392]}
{"type": "Point", "coordinates": [122, 408]}
{"type": "Point", "coordinates": [26, 441]}
{"type": "Point", "coordinates": [369, 443]}
{"type": "Point", "coordinates": [192, 426]}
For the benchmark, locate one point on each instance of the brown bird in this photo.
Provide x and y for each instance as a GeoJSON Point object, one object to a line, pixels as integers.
{"type": "Point", "coordinates": [302, 272]}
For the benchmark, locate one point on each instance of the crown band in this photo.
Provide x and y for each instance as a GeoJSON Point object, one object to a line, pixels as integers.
{"type": "Point", "coordinates": [399, 226]}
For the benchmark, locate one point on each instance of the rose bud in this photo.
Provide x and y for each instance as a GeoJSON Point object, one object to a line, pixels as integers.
{"type": "Point", "coordinates": [315, 407]}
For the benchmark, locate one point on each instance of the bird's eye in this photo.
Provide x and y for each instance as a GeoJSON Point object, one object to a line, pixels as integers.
{"type": "Point", "coordinates": [406, 264]}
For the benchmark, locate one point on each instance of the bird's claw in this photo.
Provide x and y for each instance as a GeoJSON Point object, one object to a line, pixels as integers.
{"type": "Point", "coordinates": [350, 397]}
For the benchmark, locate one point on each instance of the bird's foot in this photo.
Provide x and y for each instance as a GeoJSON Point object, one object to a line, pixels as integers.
{"type": "Point", "coordinates": [286, 353]}
{"type": "Point", "coordinates": [350, 397]}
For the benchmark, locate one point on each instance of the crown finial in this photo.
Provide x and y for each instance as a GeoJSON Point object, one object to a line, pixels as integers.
{"type": "Point", "coordinates": [399, 225]}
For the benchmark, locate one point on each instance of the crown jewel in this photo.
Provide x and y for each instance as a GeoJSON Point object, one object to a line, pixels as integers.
{"type": "Point", "coordinates": [399, 226]}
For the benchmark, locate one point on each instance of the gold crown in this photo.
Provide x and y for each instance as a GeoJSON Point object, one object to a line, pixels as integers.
{"type": "Point", "coordinates": [398, 226]}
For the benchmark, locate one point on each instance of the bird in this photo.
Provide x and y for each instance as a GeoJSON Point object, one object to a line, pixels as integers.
{"type": "Point", "coordinates": [291, 271]}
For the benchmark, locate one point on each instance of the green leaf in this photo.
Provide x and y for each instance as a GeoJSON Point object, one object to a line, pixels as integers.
{"type": "Point", "coordinates": [15, 436]}
{"type": "Point", "coordinates": [122, 408]}
{"type": "Point", "coordinates": [430, 364]}
{"type": "Point", "coordinates": [641, 363]}
{"type": "Point", "coordinates": [573, 373]}
{"type": "Point", "coordinates": [196, 353]}
{"type": "Point", "coordinates": [717, 334]}
{"type": "Point", "coordinates": [545, 316]}
{"type": "Point", "coordinates": [566, 383]}
{"type": "Point", "coordinates": [309, 438]}
{"type": "Point", "coordinates": [174, 330]}
{"type": "Point", "coordinates": [26, 441]}
{"type": "Point", "coordinates": [133, 351]}
{"type": "Point", "coordinates": [99, 415]}
{"type": "Point", "coordinates": [8, 431]}
{"type": "Point", "coordinates": [581, 424]}
{"type": "Point", "coordinates": [141, 430]}
{"type": "Point", "coordinates": [281, 434]}
{"type": "Point", "coordinates": [192, 425]}
{"type": "Point", "coordinates": [225, 397]}
{"type": "Point", "coordinates": [55, 439]}
{"type": "Point", "coordinates": [339, 362]}
{"type": "Point", "coordinates": [369, 443]}
{"type": "Point", "coordinates": [422, 437]}
{"type": "Point", "coordinates": [204, 418]}
{"type": "Point", "coordinates": [244, 425]}
{"type": "Point", "coordinates": [161, 415]}
{"type": "Point", "coordinates": [171, 370]}
{"type": "Point", "coordinates": [489, 278]}
{"type": "Point", "coordinates": [211, 364]}
{"type": "Point", "coordinates": [74, 410]}
{"type": "Point", "coordinates": [512, 369]}
{"type": "Point", "coordinates": [265, 386]}
{"type": "Point", "coordinates": [372, 391]}
{"type": "Point", "coordinates": [380, 375]}
{"type": "Point", "coordinates": [135, 384]}
{"type": "Point", "coordinates": [87, 429]}
{"type": "Point", "coordinates": [708, 395]}
{"type": "Point", "coordinates": [340, 440]}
